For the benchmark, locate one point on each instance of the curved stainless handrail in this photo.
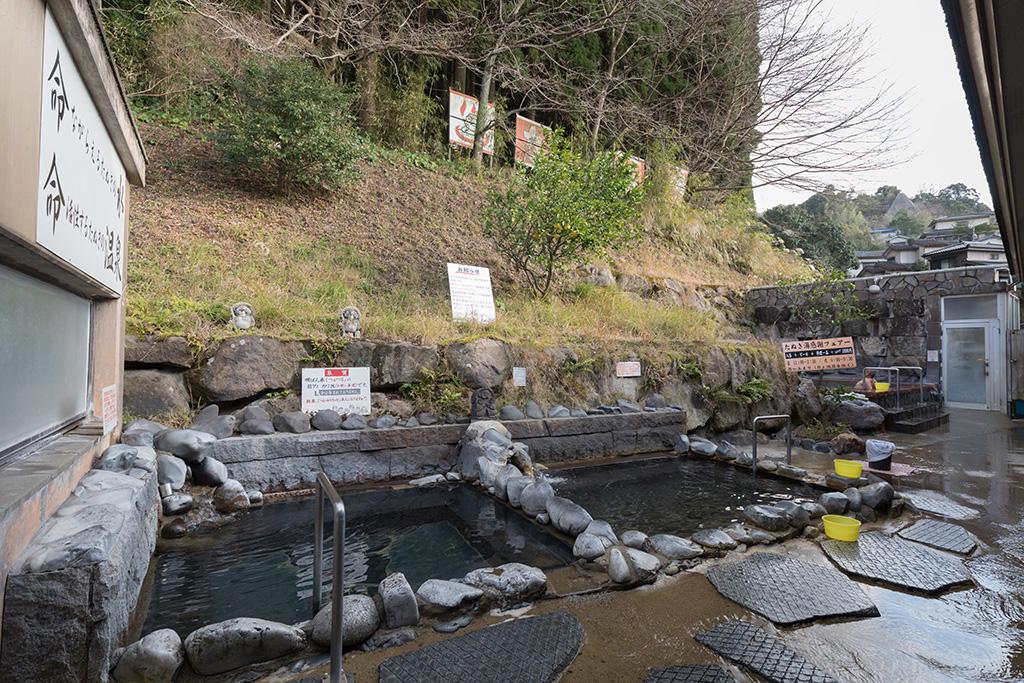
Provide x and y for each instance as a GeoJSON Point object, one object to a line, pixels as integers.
{"type": "Point", "coordinates": [789, 440]}
{"type": "Point", "coordinates": [324, 486]}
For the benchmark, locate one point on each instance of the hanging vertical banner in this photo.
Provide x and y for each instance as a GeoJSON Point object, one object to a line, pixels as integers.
{"type": "Point", "coordinates": [530, 137]}
{"type": "Point", "coordinates": [108, 409]}
{"type": "Point", "coordinates": [462, 110]}
{"type": "Point", "coordinates": [470, 288]}
{"type": "Point", "coordinates": [82, 184]}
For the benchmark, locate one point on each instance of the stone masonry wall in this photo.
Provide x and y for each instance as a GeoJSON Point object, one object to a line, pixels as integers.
{"type": "Point", "coordinates": [904, 318]}
{"type": "Point", "coordinates": [283, 462]}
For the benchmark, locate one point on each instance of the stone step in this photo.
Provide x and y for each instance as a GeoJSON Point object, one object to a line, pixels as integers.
{"type": "Point", "coordinates": [919, 424]}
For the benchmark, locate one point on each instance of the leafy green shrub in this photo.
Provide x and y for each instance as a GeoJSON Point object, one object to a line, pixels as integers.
{"type": "Point", "coordinates": [566, 209]}
{"type": "Point", "coordinates": [755, 390]}
{"type": "Point", "coordinates": [436, 391]}
{"type": "Point", "coordinates": [819, 430]}
{"type": "Point", "coordinates": [286, 120]}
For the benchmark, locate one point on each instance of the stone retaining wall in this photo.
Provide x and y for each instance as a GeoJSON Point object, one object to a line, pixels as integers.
{"type": "Point", "coordinates": [903, 319]}
{"type": "Point", "coordinates": [70, 596]}
{"type": "Point", "coordinates": [283, 462]}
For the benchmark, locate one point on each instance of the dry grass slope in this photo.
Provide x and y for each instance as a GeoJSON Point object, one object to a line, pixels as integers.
{"type": "Point", "coordinates": [199, 242]}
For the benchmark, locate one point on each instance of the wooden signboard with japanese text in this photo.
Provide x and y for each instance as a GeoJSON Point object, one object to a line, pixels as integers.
{"type": "Point", "coordinates": [814, 355]}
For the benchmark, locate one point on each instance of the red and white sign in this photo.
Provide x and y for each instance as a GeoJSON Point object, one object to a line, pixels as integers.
{"type": "Point", "coordinates": [462, 111]}
{"type": "Point", "coordinates": [819, 354]}
{"type": "Point", "coordinates": [627, 368]}
{"type": "Point", "coordinates": [470, 289]}
{"type": "Point", "coordinates": [344, 390]}
{"type": "Point", "coordinates": [108, 397]}
{"type": "Point", "coordinates": [530, 137]}
{"type": "Point", "coordinates": [639, 167]}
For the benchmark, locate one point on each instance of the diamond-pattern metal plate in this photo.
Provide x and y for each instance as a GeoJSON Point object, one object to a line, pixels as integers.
{"type": "Point", "coordinates": [690, 673]}
{"type": "Point", "coordinates": [790, 591]}
{"type": "Point", "coordinates": [745, 644]}
{"type": "Point", "coordinates": [938, 504]}
{"type": "Point", "coordinates": [532, 650]}
{"type": "Point", "coordinates": [895, 561]}
{"type": "Point", "coordinates": [942, 535]}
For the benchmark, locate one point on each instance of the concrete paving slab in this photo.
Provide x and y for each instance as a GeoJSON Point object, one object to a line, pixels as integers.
{"type": "Point", "coordinates": [938, 504]}
{"type": "Point", "coordinates": [761, 652]}
{"type": "Point", "coordinates": [897, 562]}
{"type": "Point", "coordinates": [690, 673]}
{"type": "Point", "coordinates": [790, 591]}
{"type": "Point", "coordinates": [942, 535]}
{"type": "Point", "coordinates": [531, 650]}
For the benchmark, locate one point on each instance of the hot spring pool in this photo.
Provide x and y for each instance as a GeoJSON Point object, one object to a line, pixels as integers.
{"type": "Point", "coordinates": [261, 565]}
{"type": "Point", "coordinates": [671, 495]}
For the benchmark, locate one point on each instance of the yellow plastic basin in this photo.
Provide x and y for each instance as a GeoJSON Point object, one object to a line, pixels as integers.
{"type": "Point", "coordinates": [841, 528]}
{"type": "Point", "coordinates": [850, 469]}
{"type": "Point", "coordinates": [881, 386]}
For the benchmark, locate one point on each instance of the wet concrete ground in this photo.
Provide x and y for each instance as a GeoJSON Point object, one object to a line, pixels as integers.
{"type": "Point", "coordinates": [973, 634]}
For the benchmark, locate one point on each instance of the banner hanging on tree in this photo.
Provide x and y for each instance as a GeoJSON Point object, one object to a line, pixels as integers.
{"type": "Point", "coordinates": [462, 111]}
{"type": "Point", "coordinates": [530, 140]}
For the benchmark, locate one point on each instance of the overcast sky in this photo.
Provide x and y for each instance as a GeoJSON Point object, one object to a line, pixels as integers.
{"type": "Point", "coordinates": [911, 49]}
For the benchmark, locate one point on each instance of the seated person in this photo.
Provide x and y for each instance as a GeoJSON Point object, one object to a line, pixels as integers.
{"type": "Point", "coordinates": [866, 384]}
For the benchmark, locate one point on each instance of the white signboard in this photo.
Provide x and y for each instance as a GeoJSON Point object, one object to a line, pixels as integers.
{"type": "Point", "coordinates": [462, 110]}
{"type": "Point", "coordinates": [519, 377]}
{"type": "Point", "coordinates": [627, 368]}
{"type": "Point", "coordinates": [108, 397]}
{"type": "Point", "coordinates": [82, 184]}
{"type": "Point", "coordinates": [470, 289]}
{"type": "Point", "coordinates": [933, 355]}
{"type": "Point", "coordinates": [345, 390]}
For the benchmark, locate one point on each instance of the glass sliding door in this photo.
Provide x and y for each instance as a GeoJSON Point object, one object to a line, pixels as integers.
{"type": "Point", "coordinates": [966, 365]}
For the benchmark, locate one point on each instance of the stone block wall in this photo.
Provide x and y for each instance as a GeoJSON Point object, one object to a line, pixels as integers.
{"type": "Point", "coordinates": [70, 595]}
{"type": "Point", "coordinates": [903, 320]}
{"type": "Point", "coordinates": [284, 462]}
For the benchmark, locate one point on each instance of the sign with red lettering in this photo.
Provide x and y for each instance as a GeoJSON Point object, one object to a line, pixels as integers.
{"type": "Point", "coordinates": [108, 397]}
{"type": "Point", "coordinates": [344, 390]}
{"type": "Point", "coordinates": [470, 290]}
{"type": "Point", "coordinates": [819, 354]}
{"type": "Point", "coordinates": [462, 111]}
{"type": "Point", "coordinates": [627, 368]}
{"type": "Point", "coordinates": [529, 140]}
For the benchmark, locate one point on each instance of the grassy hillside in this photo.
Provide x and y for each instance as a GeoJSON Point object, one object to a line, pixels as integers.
{"type": "Point", "coordinates": [200, 241]}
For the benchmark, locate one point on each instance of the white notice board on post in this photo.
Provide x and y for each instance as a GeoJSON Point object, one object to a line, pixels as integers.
{"type": "Point", "coordinates": [470, 290]}
{"type": "Point", "coordinates": [82, 184]}
{"type": "Point", "coordinates": [344, 390]}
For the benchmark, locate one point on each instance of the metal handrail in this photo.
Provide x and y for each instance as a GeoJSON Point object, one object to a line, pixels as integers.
{"type": "Point", "coordinates": [789, 440]}
{"type": "Point", "coordinates": [324, 485]}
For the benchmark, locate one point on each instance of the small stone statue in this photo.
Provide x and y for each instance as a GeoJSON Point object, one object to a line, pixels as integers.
{"type": "Point", "coordinates": [242, 316]}
{"type": "Point", "coordinates": [351, 322]}
{"type": "Point", "coordinates": [482, 405]}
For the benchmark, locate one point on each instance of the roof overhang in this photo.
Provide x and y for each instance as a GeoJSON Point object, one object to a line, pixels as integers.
{"type": "Point", "coordinates": [989, 52]}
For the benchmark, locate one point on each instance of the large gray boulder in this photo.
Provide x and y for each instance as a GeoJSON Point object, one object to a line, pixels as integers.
{"type": "Point", "coordinates": [673, 547]}
{"type": "Point", "coordinates": [645, 565]}
{"type": "Point", "coordinates": [766, 517]}
{"type": "Point", "coordinates": [294, 422]}
{"type": "Point", "coordinates": [702, 447]}
{"type": "Point", "coordinates": [155, 392]}
{"type": "Point", "coordinates": [248, 366]}
{"type": "Point", "coordinates": [400, 608]}
{"type": "Point", "coordinates": [481, 363]}
{"type": "Point", "coordinates": [359, 621]}
{"type": "Point", "coordinates": [634, 539]}
{"type": "Point", "coordinates": [395, 364]}
{"type": "Point", "coordinates": [187, 444]}
{"type": "Point", "coordinates": [153, 659]}
{"type": "Point", "coordinates": [437, 596]}
{"type": "Point", "coordinates": [234, 643]}
{"type": "Point", "coordinates": [173, 352]}
{"type": "Point", "coordinates": [878, 495]}
{"type": "Point", "coordinates": [514, 490]}
{"type": "Point", "coordinates": [534, 498]}
{"type": "Point", "coordinates": [834, 502]}
{"type": "Point", "coordinates": [209, 472]}
{"type": "Point", "coordinates": [567, 516]}
{"type": "Point", "coordinates": [599, 527]}
{"type": "Point", "coordinates": [619, 570]}
{"type": "Point", "coordinates": [508, 583]}
{"type": "Point", "coordinates": [171, 470]}
{"type": "Point", "coordinates": [589, 546]}
{"type": "Point", "coordinates": [230, 497]}
{"type": "Point", "coordinates": [861, 416]}
{"type": "Point", "coordinates": [807, 400]}
{"type": "Point", "coordinates": [117, 458]}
